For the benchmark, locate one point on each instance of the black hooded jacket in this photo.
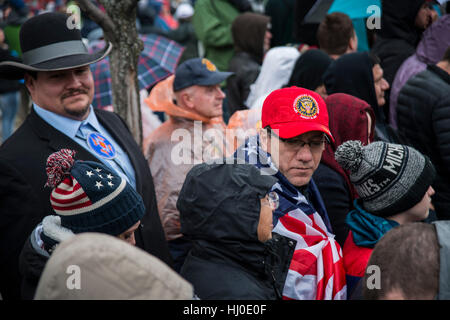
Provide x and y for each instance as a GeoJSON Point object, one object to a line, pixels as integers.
{"type": "Point", "coordinates": [398, 18]}
{"type": "Point", "coordinates": [304, 32]}
{"type": "Point", "coordinates": [219, 211]}
{"type": "Point", "coordinates": [352, 74]}
{"type": "Point", "coordinates": [423, 113]}
{"type": "Point", "coordinates": [309, 69]}
{"type": "Point", "coordinates": [398, 37]}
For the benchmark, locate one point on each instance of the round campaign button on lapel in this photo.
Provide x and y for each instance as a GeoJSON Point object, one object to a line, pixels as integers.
{"type": "Point", "coordinates": [101, 145]}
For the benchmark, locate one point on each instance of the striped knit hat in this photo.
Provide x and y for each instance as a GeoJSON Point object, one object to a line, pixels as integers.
{"type": "Point", "coordinates": [389, 178]}
{"type": "Point", "coordinates": [89, 197]}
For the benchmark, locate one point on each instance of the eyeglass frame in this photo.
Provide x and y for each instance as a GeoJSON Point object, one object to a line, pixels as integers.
{"type": "Point", "coordinates": [324, 140]}
{"type": "Point", "coordinates": [272, 201]}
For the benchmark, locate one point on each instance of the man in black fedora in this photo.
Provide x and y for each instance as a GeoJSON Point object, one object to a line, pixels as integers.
{"type": "Point", "coordinates": [56, 70]}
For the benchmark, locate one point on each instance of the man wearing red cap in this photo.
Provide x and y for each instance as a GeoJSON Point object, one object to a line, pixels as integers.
{"type": "Point", "coordinates": [298, 117]}
{"type": "Point", "coordinates": [290, 145]}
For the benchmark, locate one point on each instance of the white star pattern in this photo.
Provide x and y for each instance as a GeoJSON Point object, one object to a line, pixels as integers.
{"type": "Point", "coordinates": [89, 173]}
{"type": "Point", "coordinates": [98, 184]}
{"type": "Point", "coordinates": [110, 184]}
{"type": "Point", "coordinates": [277, 186]}
{"type": "Point", "coordinates": [98, 169]}
{"type": "Point", "coordinates": [300, 198]}
{"type": "Point", "coordinates": [100, 176]}
{"type": "Point", "coordinates": [110, 176]}
{"type": "Point", "coordinates": [252, 149]}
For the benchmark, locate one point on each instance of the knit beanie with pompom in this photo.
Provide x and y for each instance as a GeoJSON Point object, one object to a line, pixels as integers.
{"type": "Point", "coordinates": [389, 178]}
{"type": "Point", "coordinates": [90, 197]}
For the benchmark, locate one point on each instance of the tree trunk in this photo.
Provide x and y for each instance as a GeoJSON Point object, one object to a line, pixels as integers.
{"type": "Point", "coordinates": [119, 27]}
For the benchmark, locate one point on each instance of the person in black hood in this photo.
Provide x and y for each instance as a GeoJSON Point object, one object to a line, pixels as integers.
{"type": "Point", "coordinates": [402, 24]}
{"type": "Point", "coordinates": [226, 211]}
{"type": "Point", "coordinates": [359, 74]}
{"type": "Point", "coordinates": [305, 32]}
{"type": "Point", "coordinates": [282, 15]}
{"type": "Point", "coordinates": [308, 71]}
{"type": "Point", "coordinates": [251, 37]}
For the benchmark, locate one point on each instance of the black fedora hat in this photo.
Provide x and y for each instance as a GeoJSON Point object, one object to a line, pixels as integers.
{"type": "Point", "coordinates": [50, 43]}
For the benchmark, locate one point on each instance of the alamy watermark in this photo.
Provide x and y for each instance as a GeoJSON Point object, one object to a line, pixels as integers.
{"type": "Point", "coordinates": [374, 20]}
{"type": "Point", "coordinates": [74, 19]}
{"type": "Point", "coordinates": [373, 280]}
{"type": "Point", "coordinates": [215, 145]}
{"type": "Point", "coordinates": [73, 281]}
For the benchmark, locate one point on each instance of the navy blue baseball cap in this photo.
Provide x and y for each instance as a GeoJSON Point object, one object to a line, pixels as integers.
{"type": "Point", "coordinates": [198, 71]}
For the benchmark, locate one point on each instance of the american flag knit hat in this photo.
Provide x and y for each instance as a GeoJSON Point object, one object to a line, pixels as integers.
{"type": "Point", "coordinates": [90, 197]}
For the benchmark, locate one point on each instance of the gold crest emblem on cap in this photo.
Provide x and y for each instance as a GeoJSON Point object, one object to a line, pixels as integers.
{"type": "Point", "coordinates": [306, 106]}
{"type": "Point", "coordinates": [209, 65]}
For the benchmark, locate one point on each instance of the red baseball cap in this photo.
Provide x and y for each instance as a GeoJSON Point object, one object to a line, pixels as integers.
{"type": "Point", "coordinates": [294, 111]}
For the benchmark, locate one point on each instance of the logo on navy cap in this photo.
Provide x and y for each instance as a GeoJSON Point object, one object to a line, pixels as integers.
{"type": "Point", "coordinates": [209, 65]}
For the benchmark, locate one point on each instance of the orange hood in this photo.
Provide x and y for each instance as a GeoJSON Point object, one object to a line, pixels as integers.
{"type": "Point", "coordinates": [161, 98]}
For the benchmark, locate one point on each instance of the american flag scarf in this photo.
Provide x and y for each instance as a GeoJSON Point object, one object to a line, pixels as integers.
{"type": "Point", "coordinates": [316, 270]}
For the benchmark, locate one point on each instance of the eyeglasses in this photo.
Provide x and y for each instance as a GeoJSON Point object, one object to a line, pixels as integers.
{"type": "Point", "coordinates": [272, 200]}
{"type": "Point", "coordinates": [296, 144]}
{"type": "Point", "coordinates": [314, 145]}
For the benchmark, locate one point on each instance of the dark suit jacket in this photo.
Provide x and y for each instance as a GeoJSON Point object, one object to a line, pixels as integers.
{"type": "Point", "coordinates": [24, 201]}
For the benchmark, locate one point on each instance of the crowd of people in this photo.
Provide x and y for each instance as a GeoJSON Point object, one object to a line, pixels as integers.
{"type": "Point", "coordinates": [294, 158]}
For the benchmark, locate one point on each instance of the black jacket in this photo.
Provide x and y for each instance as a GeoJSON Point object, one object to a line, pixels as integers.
{"type": "Point", "coordinates": [304, 32]}
{"type": "Point", "coordinates": [32, 262]}
{"type": "Point", "coordinates": [282, 14]}
{"type": "Point", "coordinates": [219, 211]}
{"type": "Point", "coordinates": [246, 69]}
{"type": "Point", "coordinates": [423, 118]}
{"type": "Point", "coordinates": [337, 198]}
{"type": "Point", "coordinates": [24, 201]}
{"type": "Point", "coordinates": [398, 37]}
{"type": "Point", "coordinates": [248, 271]}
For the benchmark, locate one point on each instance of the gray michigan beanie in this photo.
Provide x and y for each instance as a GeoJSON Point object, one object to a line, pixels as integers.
{"type": "Point", "coordinates": [389, 178]}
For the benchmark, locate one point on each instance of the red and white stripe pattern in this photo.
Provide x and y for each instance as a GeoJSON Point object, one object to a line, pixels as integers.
{"type": "Point", "coordinates": [316, 270]}
{"type": "Point", "coordinates": [68, 197]}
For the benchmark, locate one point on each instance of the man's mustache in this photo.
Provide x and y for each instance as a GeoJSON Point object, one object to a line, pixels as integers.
{"type": "Point", "coordinates": [73, 92]}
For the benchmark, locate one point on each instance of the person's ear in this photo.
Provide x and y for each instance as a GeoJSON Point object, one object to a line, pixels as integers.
{"type": "Point", "coordinates": [29, 83]}
{"type": "Point", "coordinates": [187, 99]}
{"type": "Point", "coordinates": [264, 139]}
{"type": "Point", "coordinates": [270, 143]}
{"type": "Point", "coordinates": [353, 43]}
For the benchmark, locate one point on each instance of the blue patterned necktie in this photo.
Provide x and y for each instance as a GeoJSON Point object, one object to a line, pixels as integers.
{"type": "Point", "coordinates": [84, 130]}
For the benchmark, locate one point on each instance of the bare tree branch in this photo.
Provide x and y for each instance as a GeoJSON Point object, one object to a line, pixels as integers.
{"type": "Point", "coordinates": [119, 27]}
